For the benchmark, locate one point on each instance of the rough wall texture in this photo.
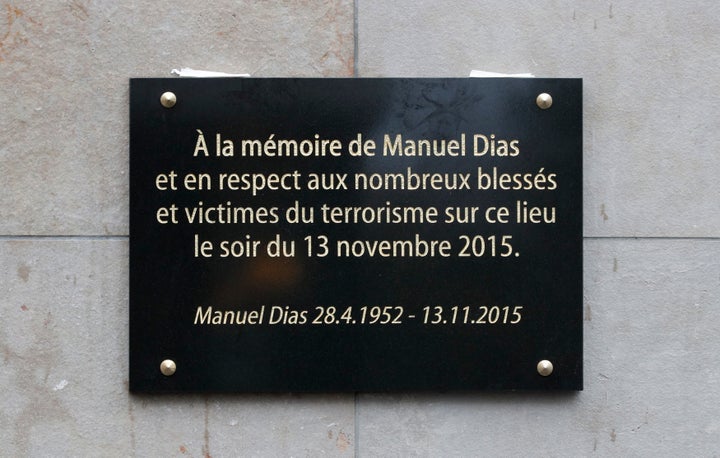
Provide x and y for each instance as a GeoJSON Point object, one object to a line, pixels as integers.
{"type": "Point", "coordinates": [652, 223]}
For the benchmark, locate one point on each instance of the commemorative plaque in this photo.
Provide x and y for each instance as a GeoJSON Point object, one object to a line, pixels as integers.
{"type": "Point", "coordinates": [330, 235]}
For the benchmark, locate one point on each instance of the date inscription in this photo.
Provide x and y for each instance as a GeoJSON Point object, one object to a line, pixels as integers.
{"type": "Point", "coordinates": [388, 315]}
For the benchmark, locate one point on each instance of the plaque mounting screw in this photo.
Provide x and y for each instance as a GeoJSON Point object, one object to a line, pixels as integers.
{"type": "Point", "coordinates": [168, 99]}
{"type": "Point", "coordinates": [544, 101]}
{"type": "Point", "coordinates": [545, 368]}
{"type": "Point", "coordinates": [168, 367]}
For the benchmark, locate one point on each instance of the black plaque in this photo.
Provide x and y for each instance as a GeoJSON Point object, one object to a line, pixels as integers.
{"type": "Point", "coordinates": [325, 235]}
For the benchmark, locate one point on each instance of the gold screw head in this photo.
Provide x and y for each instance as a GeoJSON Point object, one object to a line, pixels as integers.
{"type": "Point", "coordinates": [168, 99]}
{"type": "Point", "coordinates": [544, 101]}
{"type": "Point", "coordinates": [545, 368]}
{"type": "Point", "coordinates": [168, 367]}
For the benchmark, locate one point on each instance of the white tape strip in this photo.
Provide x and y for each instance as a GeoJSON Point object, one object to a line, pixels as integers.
{"type": "Point", "coordinates": [191, 73]}
{"type": "Point", "coordinates": [483, 74]}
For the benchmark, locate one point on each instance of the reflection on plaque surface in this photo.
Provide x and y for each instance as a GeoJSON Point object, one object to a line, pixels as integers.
{"type": "Point", "coordinates": [325, 235]}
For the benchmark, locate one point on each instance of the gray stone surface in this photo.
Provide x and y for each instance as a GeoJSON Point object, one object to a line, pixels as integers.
{"type": "Point", "coordinates": [63, 369]}
{"type": "Point", "coordinates": [651, 164]}
{"type": "Point", "coordinates": [651, 91]}
{"type": "Point", "coordinates": [651, 375]}
{"type": "Point", "coordinates": [64, 70]}
{"type": "Point", "coordinates": [651, 326]}
{"type": "Point", "coordinates": [650, 98]}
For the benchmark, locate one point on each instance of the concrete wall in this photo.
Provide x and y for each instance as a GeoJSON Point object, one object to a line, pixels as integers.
{"type": "Point", "coordinates": [651, 218]}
